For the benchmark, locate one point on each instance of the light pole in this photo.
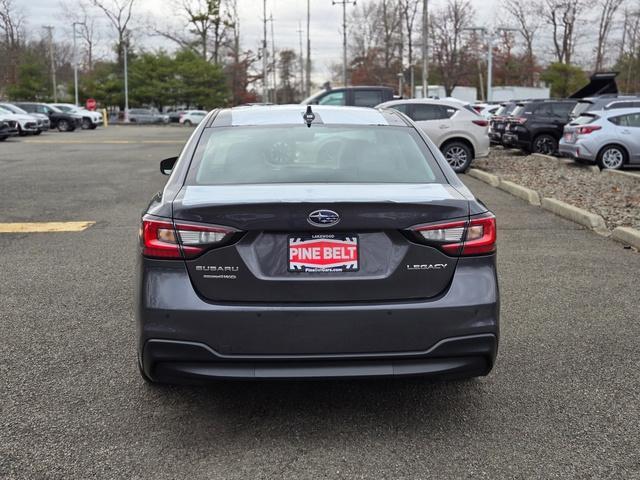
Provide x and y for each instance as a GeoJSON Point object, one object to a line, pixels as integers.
{"type": "Point", "coordinates": [49, 29]}
{"type": "Point", "coordinates": [344, 36]}
{"type": "Point", "coordinates": [265, 88]}
{"type": "Point", "coordinates": [75, 62]}
{"type": "Point", "coordinates": [126, 83]}
{"type": "Point", "coordinates": [273, 62]}
{"type": "Point", "coordinates": [307, 85]}
{"type": "Point", "coordinates": [301, 59]}
{"type": "Point", "coordinates": [425, 48]}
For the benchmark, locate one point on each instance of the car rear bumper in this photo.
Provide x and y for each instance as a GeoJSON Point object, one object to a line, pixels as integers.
{"type": "Point", "coordinates": [180, 335]}
{"type": "Point", "coordinates": [576, 150]}
{"type": "Point", "coordinates": [482, 146]}
{"type": "Point", "coordinates": [513, 140]}
{"type": "Point", "coordinates": [495, 137]}
{"type": "Point", "coordinates": [176, 361]}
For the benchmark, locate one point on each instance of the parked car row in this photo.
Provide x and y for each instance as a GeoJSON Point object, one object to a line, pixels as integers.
{"type": "Point", "coordinates": [33, 118]}
{"type": "Point", "coordinates": [565, 127]}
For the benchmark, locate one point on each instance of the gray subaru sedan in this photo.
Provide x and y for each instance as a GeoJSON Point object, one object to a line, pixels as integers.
{"type": "Point", "coordinates": [314, 242]}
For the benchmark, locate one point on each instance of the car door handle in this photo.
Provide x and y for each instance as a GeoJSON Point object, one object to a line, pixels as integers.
{"type": "Point", "coordinates": [442, 127]}
{"type": "Point", "coordinates": [627, 132]}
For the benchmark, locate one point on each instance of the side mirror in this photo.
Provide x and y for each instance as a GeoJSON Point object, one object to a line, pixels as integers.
{"type": "Point", "coordinates": [166, 165]}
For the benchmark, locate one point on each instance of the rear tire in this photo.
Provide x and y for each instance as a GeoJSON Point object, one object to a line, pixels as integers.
{"type": "Point", "coordinates": [187, 123]}
{"type": "Point", "coordinates": [2, 139]}
{"type": "Point", "coordinates": [458, 155]}
{"type": "Point", "coordinates": [545, 144]}
{"type": "Point", "coordinates": [63, 126]}
{"type": "Point", "coordinates": [612, 157]}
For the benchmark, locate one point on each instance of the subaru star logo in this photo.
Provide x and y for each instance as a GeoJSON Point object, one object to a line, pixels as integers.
{"type": "Point", "coordinates": [323, 218]}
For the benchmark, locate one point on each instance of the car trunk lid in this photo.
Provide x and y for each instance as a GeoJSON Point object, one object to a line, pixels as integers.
{"type": "Point", "coordinates": [388, 264]}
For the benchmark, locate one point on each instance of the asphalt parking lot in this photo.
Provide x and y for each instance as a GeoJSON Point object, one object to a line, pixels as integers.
{"type": "Point", "coordinates": [562, 402]}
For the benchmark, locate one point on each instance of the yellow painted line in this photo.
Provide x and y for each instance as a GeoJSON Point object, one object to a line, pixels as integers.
{"type": "Point", "coordinates": [103, 142]}
{"type": "Point", "coordinates": [44, 227]}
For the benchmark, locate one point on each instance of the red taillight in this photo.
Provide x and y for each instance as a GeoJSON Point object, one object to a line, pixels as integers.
{"type": "Point", "coordinates": [158, 239]}
{"type": "Point", "coordinates": [586, 129]}
{"type": "Point", "coordinates": [481, 236]}
{"type": "Point", "coordinates": [481, 123]}
{"type": "Point", "coordinates": [163, 239]}
{"type": "Point", "coordinates": [475, 237]}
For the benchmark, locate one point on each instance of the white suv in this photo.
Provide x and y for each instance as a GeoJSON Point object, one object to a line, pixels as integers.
{"type": "Point", "coordinates": [27, 124]}
{"type": "Point", "coordinates": [192, 117]}
{"type": "Point", "coordinates": [456, 128]}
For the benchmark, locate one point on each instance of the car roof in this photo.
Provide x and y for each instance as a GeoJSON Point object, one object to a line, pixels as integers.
{"type": "Point", "coordinates": [427, 101]}
{"type": "Point", "coordinates": [612, 113]}
{"type": "Point", "coordinates": [292, 114]}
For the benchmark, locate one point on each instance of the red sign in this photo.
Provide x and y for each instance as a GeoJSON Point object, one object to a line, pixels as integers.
{"type": "Point", "coordinates": [91, 104]}
{"type": "Point", "coordinates": [329, 253]}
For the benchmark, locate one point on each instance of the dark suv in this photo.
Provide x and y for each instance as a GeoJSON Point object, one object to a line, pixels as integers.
{"type": "Point", "coordinates": [499, 121]}
{"type": "Point", "coordinates": [537, 126]}
{"type": "Point", "coordinates": [351, 96]}
{"type": "Point", "coordinates": [64, 122]}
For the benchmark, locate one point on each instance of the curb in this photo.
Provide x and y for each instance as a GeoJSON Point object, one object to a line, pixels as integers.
{"type": "Point", "coordinates": [608, 171]}
{"type": "Point", "coordinates": [492, 180]}
{"type": "Point", "coordinates": [516, 190]}
{"type": "Point", "coordinates": [542, 155]}
{"type": "Point", "coordinates": [575, 214]}
{"type": "Point", "coordinates": [627, 235]}
{"type": "Point", "coordinates": [562, 160]}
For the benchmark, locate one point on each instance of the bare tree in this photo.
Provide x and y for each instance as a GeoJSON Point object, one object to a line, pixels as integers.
{"type": "Point", "coordinates": [409, 12]}
{"type": "Point", "coordinates": [562, 17]}
{"type": "Point", "coordinates": [208, 24]}
{"type": "Point", "coordinates": [609, 9]}
{"type": "Point", "coordinates": [79, 12]}
{"type": "Point", "coordinates": [631, 56]}
{"type": "Point", "coordinates": [12, 23]}
{"type": "Point", "coordinates": [119, 14]}
{"type": "Point", "coordinates": [448, 46]}
{"type": "Point", "coordinates": [389, 13]}
{"type": "Point", "coordinates": [528, 22]}
{"type": "Point", "coordinates": [364, 28]}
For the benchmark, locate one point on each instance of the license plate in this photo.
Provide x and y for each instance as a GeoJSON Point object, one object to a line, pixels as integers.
{"type": "Point", "coordinates": [323, 252]}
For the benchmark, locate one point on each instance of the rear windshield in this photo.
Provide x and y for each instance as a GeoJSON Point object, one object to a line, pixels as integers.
{"type": "Point", "coordinates": [517, 111]}
{"type": "Point", "coordinates": [584, 119]}
{"type": "Point", "coordinates": [580, 108]}
{"type": "Point", "coordinates": [320, 154]}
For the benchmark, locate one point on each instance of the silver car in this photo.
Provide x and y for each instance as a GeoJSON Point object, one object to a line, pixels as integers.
{"type": "Point", "coordinates": [145, 115]}
{"type": "Point", "coordinates": [610, 138]}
